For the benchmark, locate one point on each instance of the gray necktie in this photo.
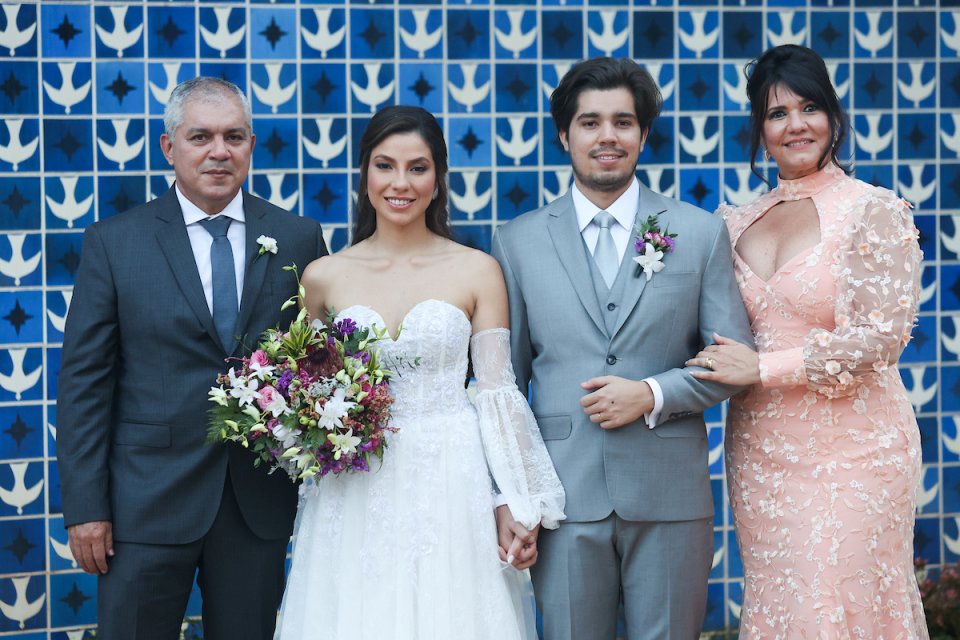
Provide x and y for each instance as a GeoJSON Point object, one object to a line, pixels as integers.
{"type": "Point", "coordinates": [605, 254]}
{"type": "Point", "coordinates": [224, 280]}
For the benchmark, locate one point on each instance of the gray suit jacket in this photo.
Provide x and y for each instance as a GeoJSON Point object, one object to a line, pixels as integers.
{"type": "Point", "coordinates": [140, 353]}
{"type": "Point", "coordinates": [559, 340]}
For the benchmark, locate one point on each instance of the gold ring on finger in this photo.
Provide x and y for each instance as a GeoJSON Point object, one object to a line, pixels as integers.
{"type": "Point", "coordinates": [710, 363]}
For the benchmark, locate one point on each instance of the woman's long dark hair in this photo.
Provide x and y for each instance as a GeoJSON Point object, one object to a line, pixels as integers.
{"type": "Point", "coordinates": [802, 71]}
{"type": "Point", "coordinates": [387, 122]}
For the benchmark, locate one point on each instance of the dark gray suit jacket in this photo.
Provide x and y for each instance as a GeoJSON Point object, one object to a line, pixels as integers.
{"type": "Point", "coordinates": [140, 353]}
{"type": "Point", "coordinates": [559, 339]}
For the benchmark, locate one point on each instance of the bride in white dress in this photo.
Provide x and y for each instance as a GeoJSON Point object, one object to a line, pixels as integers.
{"type": "Point", "coordinates": [418, 549]}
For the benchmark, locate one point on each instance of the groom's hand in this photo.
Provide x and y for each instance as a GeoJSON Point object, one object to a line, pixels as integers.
{"type": "Point", "coordinates": [518, 546]}
{"type": "Point", "coordinates": [615, 401]}
{"type": "Point", "coordinates": [91, 543]}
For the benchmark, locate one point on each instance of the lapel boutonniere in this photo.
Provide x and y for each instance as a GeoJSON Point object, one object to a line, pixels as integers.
{"type": "Point", "coordinates": [652, 244]}
{"type": "Point", "coordinates": [267, 244]}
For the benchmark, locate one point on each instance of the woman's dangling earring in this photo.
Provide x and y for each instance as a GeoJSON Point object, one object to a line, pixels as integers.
{"type": "Point", "coordinates": [766, 154]}
{"type": "Point", "coordinates": [436, 192]}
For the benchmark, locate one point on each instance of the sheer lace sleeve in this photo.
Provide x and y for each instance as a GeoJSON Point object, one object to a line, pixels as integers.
{"type": "Point", "coordinates": [516, 455]}
{"type": "Point", "coordinates": [878, 287]}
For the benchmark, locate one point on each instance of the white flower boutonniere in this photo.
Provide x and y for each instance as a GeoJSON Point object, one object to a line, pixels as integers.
{"type": "Point", "coordinates": [267, 244]}
{"type": "Point", "coordinates": [652, 244]}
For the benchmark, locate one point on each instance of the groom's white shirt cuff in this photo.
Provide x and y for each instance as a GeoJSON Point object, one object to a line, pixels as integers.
{"type": "Point", "coordinates": [654, 416]}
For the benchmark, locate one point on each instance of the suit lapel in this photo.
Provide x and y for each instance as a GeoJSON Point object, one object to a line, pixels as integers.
{"type": "Point", "coordinates": [175, 244]}
{"type": "Point", "coordinates": [565, 233]}
{"type": "Point", "coordinates": [650, 204]}
{"type": "Point", "coordinates": [256, 264]}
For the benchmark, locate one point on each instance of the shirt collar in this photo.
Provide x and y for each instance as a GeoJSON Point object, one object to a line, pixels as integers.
{"type": "Point", "coordinates": [623, 210]}
{"type": "Point", "coordinates": [192, 213]}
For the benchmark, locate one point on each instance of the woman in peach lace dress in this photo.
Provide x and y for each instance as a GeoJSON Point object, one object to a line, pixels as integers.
{"type": "Point", "coordinates": [823, 453]}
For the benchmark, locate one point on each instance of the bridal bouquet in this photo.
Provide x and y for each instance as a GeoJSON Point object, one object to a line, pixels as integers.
{"type": "Point", "coordinates": [311, 400]}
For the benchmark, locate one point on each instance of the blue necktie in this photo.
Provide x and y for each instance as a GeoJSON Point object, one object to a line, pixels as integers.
{"type": "Point", "coordinates": [225, 304]}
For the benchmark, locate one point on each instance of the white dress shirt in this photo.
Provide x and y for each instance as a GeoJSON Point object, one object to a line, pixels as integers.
{"type": "Point", "coordinates": [624, 212]}
{"type": "Point", "coordinates": [201, 241]}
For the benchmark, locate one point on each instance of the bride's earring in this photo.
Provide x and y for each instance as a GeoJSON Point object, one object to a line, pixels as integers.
{"type": "Point", "coordinates": [436, 192]}
{"type": "Point", "coordinates": [766, 154]}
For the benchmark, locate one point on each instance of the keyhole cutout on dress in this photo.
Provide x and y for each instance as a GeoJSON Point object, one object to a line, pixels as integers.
{"type": "Point", "coordinates": [785, 231]}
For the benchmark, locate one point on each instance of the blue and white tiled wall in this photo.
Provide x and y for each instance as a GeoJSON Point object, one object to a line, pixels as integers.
{"type": "Point", "coordinates": [82, 89]}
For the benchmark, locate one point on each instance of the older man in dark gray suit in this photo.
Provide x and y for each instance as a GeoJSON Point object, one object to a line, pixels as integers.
{"type": "Point", "coordinates": [602, 332]}
{"type": "Point", "coordinates": [165, 294]}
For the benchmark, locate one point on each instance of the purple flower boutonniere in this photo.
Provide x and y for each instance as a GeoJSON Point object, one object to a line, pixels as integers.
{"type": "Point", "coordinates": [652, 244]}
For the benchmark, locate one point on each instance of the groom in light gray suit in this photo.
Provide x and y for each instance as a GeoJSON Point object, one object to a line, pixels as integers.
{"type": "Point", "coordinates": [602, 340]}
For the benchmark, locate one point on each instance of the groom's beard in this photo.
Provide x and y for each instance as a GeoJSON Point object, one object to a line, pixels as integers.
{"type": "Point", "coordinates": [605, 180]}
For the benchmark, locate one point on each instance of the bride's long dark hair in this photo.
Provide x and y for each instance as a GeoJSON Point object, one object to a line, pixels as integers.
{"type": "Point", "coordinates": [387, 122]}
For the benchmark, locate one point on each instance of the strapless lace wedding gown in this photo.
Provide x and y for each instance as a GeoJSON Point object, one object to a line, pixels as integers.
{"type": "Point", "coordinates": [409, 550]}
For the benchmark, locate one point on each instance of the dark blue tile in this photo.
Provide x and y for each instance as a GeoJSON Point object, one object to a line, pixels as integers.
{"type": "Point", "coordinates": [63, 257]}
{"type": "Point", "coordinates": [515, 34]}
{"type": "Point", "coordinates": [879, 175]}
{"type": "Point", "coordinates": [719, 569]}
{"type": "Point", "coordinates": [949, 84]}
{"type": "Point", "coordinates": [916, 34]}
{"type": "Point", "coordinates": [21, 431]}
{"type": "Point", "coordinates": [471, 195]}
{"type": "Point", "coordinates": [323, 30]}
{"type": "Point", "coordinates": [19, 204]}
{"type": "Point", "coordinates": [326, 197]}
{"type": "Point", "coordinates": [471, 142]}
{"type": "Point", "coordinates": [235, 72]}
{"type": "Point", "coordinates": [21, 488]}
{"type": "Point", "coordinates": [21, 317]}
{"type": "Point", "coordinates": [561, 35]}
{"type": "Point", "coordinates": [373, 85]}
{"type": "Point", "coordinates": [716, 607]}
{"type": "Point", "coordinates": [223, 32]}
{"type": "Point", "coordinates": [67, 31]}
{"type": "Point", "coordinates": [325, 142]}
{"type": "Point", "coordinates": [116, 194]}
{"type": "Point", "coordinates": [323, 88]}
{"type": "Point", "coordinates": [476, 236]}
{"type": "Point", "coordinates": [517, 192]}
{"type": "Point", "coordinates": [951, 493]}
{"type": "Point", "coordinates": [950, 430]}
{"type": "Point", "coordinates": [53, 488]}
{"type": "Point", "coordinates": [421, 34]}
{"type": "Point", "coordinates": [73, 599]}
{"type": "Point", "coordinates": [68, 88]}
{"type": "Point", "coordinates": [926, 540]}
{"type": "Point", "coordinates": [372, 33]}
{"type": "Point", "coordinates": [927, 225]}
{"type": "Point", "coordinates": [277, 140]}
{"type": "Point", "coordinates": [950, 184]}
{"type": "Point", "coordinates": [930, 444]}
{"type": "Point", "coordinates": [917, 136]}
{"type": "Point", "coordinates": [67, 145]}
{"type": "Point", "coordinates": [20, 144]}
{"type": "Point", "coordinates": [555, 184]}
{"type": "Point", "coordinates": [517, 88]}
{"type": "Point", "coordinates": [874, 84]}
{"type": "Point", "coordinates": [736, 139]}
{"type": "Point", "coordinates": [173, 32]}
{"type": "Point", "coordinates": [742, 34]}
{"type": "Point", "coordinates": [22, 34]}
{"type": "Point", "coordinates": [19, 88]}
{"type": "Point", "coordinates": [32, 606]}
{"type": "Point", "coordinates": [923, 346]}
{"type": "Point", "coordinates": [830, 33]}
{"type": "Point", "coordinates": [120, 31]}
{"type": "Point", "coordinates": [700, 187]}
{"type": "Point", "coordinates": [699, 87]}
{"type": "Point", "coordinates": [553, 151]}
{"type": "Point", "coordinates": [468, 34]}
{"type": "Point", "coordinates": [469, 87]}
{"type": "Point", "coordinates": [20, 259]}
{"type": "Point", "coordinates": [339, 239]}
{"type": "Point", "coordinates": [517, 140]}
{"type": "Point", "coordinates": [608, 32]}
{"type": "Point", "coordinates": [120, 144]}
{"type": "Point", "coordinates": [22, 543]}
{"type": "Point", "coordinates": [120, 87]}
{"type": "Point", "coordinates": [698, 34]}
{"type": "Point", "coordinates": [659, 146]}
{"type": "Point", "coordinates": [358, 124]}
{"type": "Point", "coordinates": [421, 84]}
{"type": "Point", "coordinates": [156, 161]}
{"type": "Point", "coordinates": [718, 493]}
{"type": "Point", "coordinates": [274, 88]}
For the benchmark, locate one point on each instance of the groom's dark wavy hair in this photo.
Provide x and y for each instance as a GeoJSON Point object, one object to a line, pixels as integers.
{"type": "Point", "coordinates": [390, 121]}
{"type": "Point", "coordinates": [604, 74]}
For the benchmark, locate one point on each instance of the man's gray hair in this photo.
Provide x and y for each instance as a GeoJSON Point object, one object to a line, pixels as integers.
{"type": "Point", "coordinates": [205, 89]}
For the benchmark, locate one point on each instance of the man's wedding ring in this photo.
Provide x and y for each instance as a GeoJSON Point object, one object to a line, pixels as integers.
{"type": "Point", "coordinates": [709, 363]}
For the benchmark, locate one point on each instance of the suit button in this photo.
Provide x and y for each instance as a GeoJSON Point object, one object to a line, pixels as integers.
{"type": "Point", "coordinates": [611, 306]}
{"type": "Point", "coordinates": [611, 359]}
